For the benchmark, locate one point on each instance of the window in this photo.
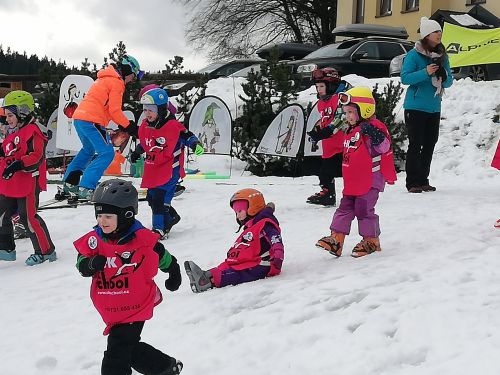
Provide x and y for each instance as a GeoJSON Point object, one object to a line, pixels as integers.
{"type": "Point", "coordinates": [360, 11]}
{"type": "Point", "coordinates": [385, 8]}
{"type": "Point", "coordinates": [389, 50]}
{"type": "Point", "coordinates": [474, 2]}
{"type": "Point", "coordinates": [369, 51]}
{"type": "Point", "coordinates": [411, 5]}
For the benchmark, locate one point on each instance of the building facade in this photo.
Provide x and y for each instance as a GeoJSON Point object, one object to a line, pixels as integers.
{"type": "Point", "coordinates": [405, 13]}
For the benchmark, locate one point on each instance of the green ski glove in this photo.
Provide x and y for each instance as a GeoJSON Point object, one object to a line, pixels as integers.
{"type": "Point", "coordinates": [199, 150]}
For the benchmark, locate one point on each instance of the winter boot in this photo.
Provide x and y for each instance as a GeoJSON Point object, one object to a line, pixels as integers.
{"type": "Point", "coordinates": [427, 188]}
{"type": "Point", "coordinates": [8, 255]}
{"type": "Point", "coordinates": [200, 280]}
{"type": "Point", "coordinates": [332, 243]}
{"type": "Point", "coordinates": [35, 259]}
{"type": "Point", "coordinates": [367, 246]}
{"type": "Point", "coordinates": [323, 198]}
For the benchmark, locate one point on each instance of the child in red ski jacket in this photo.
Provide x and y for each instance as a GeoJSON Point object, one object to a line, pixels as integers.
{"type": "Point", "coordinates": [328, 84]}
{"type": "Point", "coordinates": [367, 164]}
{"type": "Point", "coordinates": [123, 257]}
{"type": "Point", "coordinates": [257, 253]}
{"type": "Point", "coordinates": [161, 138]}
{"type": "Point", "coordinates": [22, 177]}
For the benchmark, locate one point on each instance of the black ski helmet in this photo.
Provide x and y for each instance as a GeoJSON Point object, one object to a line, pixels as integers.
{"type": "Point", "coordinates": [118, 193]}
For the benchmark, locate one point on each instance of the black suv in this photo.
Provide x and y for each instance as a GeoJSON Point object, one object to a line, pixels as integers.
{"type": "Point", "coordinates": [368, 57]}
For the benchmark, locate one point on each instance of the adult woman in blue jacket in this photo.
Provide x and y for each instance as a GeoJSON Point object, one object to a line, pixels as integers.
{"type": "Point", "coordinates": [426, 69]}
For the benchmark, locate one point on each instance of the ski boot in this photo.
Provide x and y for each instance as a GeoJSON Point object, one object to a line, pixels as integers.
{"type": "Point", "coordinates": [323, 198]}
{"type": "Point", "coordinates": [332, 243]}
{"type": "Point", "coordinates": [66, 191]}
{"type": "Point", "coordinates": [366, 246]}
{"type": "Point", "coordinates": [179, 189]}
{"type": "Point", "coordinates": [35, 259]}
{"type": "Point", "coordinates": [19, 231]}
{"type": "Point", "coordinates": [8, 255]}
{"type": "Point", "coordinates": [200, 280]}
{"type": "Point", "coordinates": [85, 194]}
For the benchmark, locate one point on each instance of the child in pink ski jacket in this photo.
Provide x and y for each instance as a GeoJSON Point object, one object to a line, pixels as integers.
{"type": "Point", "coordinates": [495, 163]}
{"type": "Point", "coordinates": [257, 253]}
{"type": "Point", "coordinates": [367, 163]}
{"type": "Point", "coordinates": [123, 257]}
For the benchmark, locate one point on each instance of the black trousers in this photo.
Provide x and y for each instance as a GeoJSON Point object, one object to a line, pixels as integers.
{"type": "Point", "coordinates": [330, 168]}
{"type": "Point", "coordinates": [125, 351]}
{"type": "Point", "coordinates": [423, 133]}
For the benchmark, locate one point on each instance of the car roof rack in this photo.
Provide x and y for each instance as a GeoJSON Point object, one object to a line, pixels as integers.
{"type": "Point", "coordinates": [364, 30]}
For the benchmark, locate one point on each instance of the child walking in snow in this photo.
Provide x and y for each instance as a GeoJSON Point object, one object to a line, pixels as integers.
{"type": "Point", "coordinates": [257, 253]}
{"type": "Point", "coordinates": [367, 164]}
{"type": "Point", "coordinates": [123, 257]}
{"type": "Point", "coordinates": [161, 138]}
{"type": "Point", "coordinates": [22, 177]}
{"type": "Point", "coordinates": [328, 84]}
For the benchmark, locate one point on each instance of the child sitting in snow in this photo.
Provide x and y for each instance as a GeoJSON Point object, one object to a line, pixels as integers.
{"type": "Point", "coordinates": [257, 253]}
{"type": "Point", "coordinates": [367, 163]}
{"type": "Point", "coordinates": [123, 257]}
{"type": "Point", "coordinates": [161, 138]}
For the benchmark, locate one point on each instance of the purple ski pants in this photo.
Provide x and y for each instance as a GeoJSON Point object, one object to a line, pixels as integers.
{"type": "Point", "coordinates": [363, 208]}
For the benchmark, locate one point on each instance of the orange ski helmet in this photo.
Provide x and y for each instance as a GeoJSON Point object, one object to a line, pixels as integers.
{"type": "Point", "coordinates": [254, 198]}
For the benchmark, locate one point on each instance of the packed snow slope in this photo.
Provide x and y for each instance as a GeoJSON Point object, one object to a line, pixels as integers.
{"type": "Point", "coordinates": [427, 304]}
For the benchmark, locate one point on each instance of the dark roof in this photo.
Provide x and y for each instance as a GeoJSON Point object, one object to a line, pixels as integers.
{"type": "Point", "coordinates": [477, 12]}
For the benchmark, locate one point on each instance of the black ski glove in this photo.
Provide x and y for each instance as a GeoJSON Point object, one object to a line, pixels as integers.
{"type": "Point", "coordinates": [134, 156]}
{"type": "Point", "coordinates": [376, 135]}
{"type": "Point", "coordinates": [13, 167]}
{"type": "Point", "coordinates": [174, 276]}
{"type": "Point", "coordinates": [132, 129]}
{"type": "Point", "coordinates": [97, 263]}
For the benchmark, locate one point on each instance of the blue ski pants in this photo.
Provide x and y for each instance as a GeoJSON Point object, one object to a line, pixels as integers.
{"type": "Point", "coordinates": [95, 141]}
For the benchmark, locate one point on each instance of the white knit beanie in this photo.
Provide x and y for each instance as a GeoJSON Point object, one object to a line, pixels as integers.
{"type": "Point", "coordinates": [428, 26]}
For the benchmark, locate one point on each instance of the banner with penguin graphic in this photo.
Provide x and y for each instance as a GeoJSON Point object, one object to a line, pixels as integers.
{"type": "Point", "coordinates": [284, 134]}
{"type": "Point", "coordinates": [73, 90]}
{"type": "Point", "coordinates": [210, 120]}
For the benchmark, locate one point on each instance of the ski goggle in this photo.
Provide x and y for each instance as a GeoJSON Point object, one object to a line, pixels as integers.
{"type": "Point", "coordinates": [346, 98]}
{"type": "Point", "coordinates": [139, 74]}
{"type": "Point", "coordinates": [319, 74]}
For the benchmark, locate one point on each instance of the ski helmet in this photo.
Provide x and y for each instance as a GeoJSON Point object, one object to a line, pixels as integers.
{"type": "Point", "coordinates": [118, 193]}
{"type": "Point", "coordinates": [19, 102]}
{"type": "Point", "coordinates": [130, 65]}
{"type": "Point", "coordinates": [147, 88]}
{"type": "Point", "coordinates": [156, 96]}
{"type": "Point", "coordinates": [362, 98]}
{"type": "Point", "coordinates": [329, 76]}
{"type": "Point", "coordinates": [254, 198]}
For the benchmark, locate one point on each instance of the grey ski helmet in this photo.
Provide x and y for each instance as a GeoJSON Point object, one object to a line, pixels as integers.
{"type": "Point", "coordinates": [116, 192]}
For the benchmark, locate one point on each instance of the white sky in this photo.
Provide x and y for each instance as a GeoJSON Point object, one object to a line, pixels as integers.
{"type": "Point", "coordinates": [152, 30]}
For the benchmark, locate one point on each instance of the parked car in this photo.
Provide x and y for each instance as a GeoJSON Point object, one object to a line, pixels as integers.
{"type": "Point", "coordinates": [214, 70]}
{"type": "Point", "coordinates": [368, 57]}
{"type": "Point", "coordinates": [244, 72]}
{"type": "Point", "coordinates": [287, 51]}
{"type": "Point", "coordinates": [487, 72]}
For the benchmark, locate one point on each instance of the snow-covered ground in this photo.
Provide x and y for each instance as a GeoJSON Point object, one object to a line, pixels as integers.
{"type": "Point", "coordinates": [427, 304]}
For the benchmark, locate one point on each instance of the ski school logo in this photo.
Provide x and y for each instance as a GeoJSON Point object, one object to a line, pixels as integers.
{"type": "Point", "coordinates": [161, 140]}
{"type": "Point", "coordinates": [92, 242]}
{"type": "Point", "coordinates": [248, 236]}
{"type": "Point", "coordinates": [127, 267]}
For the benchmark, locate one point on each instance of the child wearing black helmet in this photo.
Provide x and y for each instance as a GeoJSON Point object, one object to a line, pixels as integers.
{"type": "Point", "coordinates": [123, 257]}
{"type": "Point", "coordinates": [257, 253]}
{"type": "Point", "coordinates": [328, 84]}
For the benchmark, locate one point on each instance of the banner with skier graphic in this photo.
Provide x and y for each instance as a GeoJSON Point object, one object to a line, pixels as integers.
{"type": "Point", "coordinates": [73, 89]}
{"type": "Point", "coordinates": [312, 148]}
{"type": "Point", "coordinates": [51, 151]}
{"type": "Point", "coordinates": [211, 122]}
{"type": "Point", "coordinates": [283, 136]}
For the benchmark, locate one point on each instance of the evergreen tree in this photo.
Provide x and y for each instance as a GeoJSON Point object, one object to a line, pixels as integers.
{"type": "Point", "coordinates": [385, 104]}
